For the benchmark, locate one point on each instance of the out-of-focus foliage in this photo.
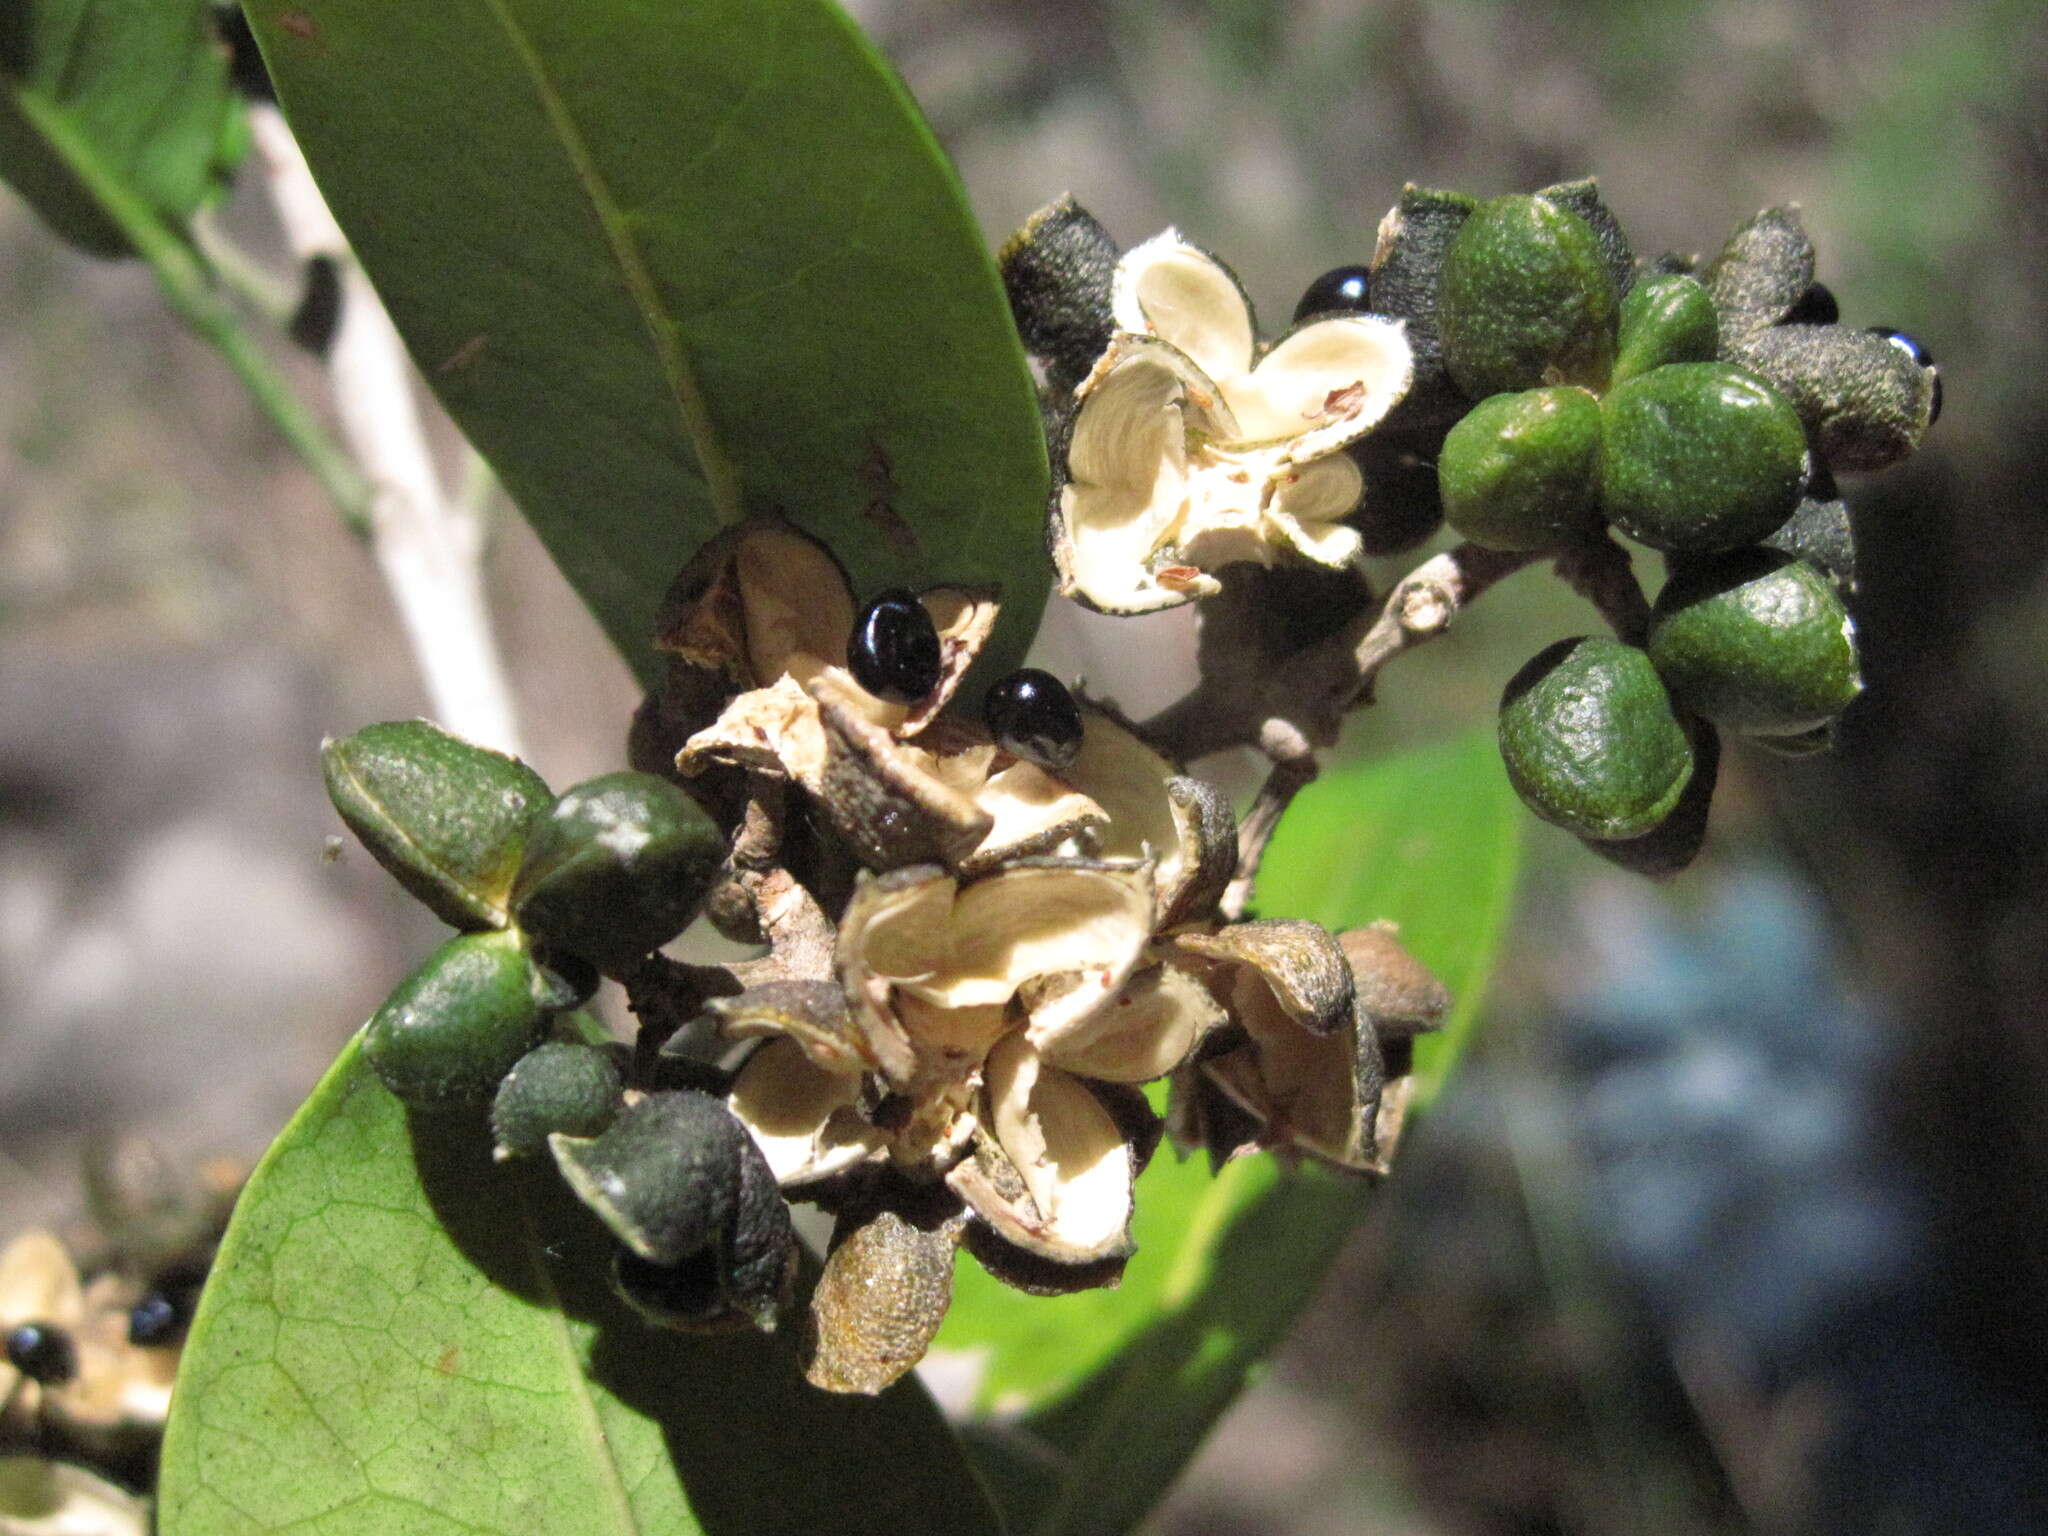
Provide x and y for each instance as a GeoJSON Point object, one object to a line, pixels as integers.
{"type": "Point", "coordinates": [114, 112]}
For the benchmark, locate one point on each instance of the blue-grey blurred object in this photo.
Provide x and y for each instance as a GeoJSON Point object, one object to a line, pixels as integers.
{"type": "Point", "coordinates": [1728, 1100]}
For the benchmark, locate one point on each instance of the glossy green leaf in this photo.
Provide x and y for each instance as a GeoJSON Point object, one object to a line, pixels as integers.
{"type": "Point", "coordinates": [131, 94]}
{"type": "Point", "coordinates": [669, 265]}
{"type": "Point", "coordinates": [1096, 1401]}
{"type": "Point", "coordinates": [402, 1338]}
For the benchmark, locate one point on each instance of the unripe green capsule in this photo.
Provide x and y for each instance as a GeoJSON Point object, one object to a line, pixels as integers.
{"type": "Point", "coordinates": [1756, 641]}
{"type": "Point", "coordinates": [1526, 300]}
{"type": "Point", "coordinates": [1666, 318]}
{"type": "Point", "coordinates": [617, 868]}
{"type": "Point", "coordinates": [682, 1185]}
{"type": "Point", "coordinates": [1697, 457]}
{"type": "Point", "coordinates": [559, 1085]}
{"type": "Point", "coordinates": [1674, 842]}
{"type": "Point", "coordinates": [1522, 471]}
{"type": "Point", "coordinates": [448, 818]}
{"type": "Point", "coordinates": [1591, 741]}
{"type": "Point", "coordinates": [459, 1023]}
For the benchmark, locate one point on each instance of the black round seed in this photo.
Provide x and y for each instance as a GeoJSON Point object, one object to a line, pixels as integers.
{"type": "Point", "coordinates": [43, 1352]}
{"type": "Point", "coordinates": [1905, 344]}
{"type": "Point", "coordinates": [1816, 306]}
{"type": "Point", "coordinates": [1920, 355]}
{"type": "Point", "coordinates": [1030, 713]}
{"type": "Point", "coordinates": [894, 651]}
{"type": "Point", "coordinates": [1340, 290]}
{"type": "Point", "coordinates": [156, 1320]}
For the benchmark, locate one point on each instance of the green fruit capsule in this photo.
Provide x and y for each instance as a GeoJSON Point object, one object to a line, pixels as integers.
{"type": "Point", "coordinates": [1697, 457]}
{"type": "Point", "coordinates": [1666, 318]}
{"type": "Point", "coordinates": [1591, 741]}
{"type": "Point", "coordinates": [1756, 641]}
{"type": "Point", "coordinates": [617, 868]}
{"type": "Point", "coordinates": [459, 1023]}
{"type": "Point", "coordinates": [1674, 842]}
{"type": "Point", "coordinates": [1526, 300]}
{"type": "Point", "coordinates": [557, 1086]}
{"type": "Point", "coordinates": [682, 1185]}
{"type": "Point", "coordinates": [447, 818]}
{"type": "Point", "coordinates": [1523, 471]}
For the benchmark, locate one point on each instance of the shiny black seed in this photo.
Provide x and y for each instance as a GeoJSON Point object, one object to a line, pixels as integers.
{"type": "Point", "coordinates": [1920, 355]}
{"type": "Point", "coordinates": [1339, 290]}
{"type": "Point", "coordinates": [43, 1352]}
{"type": "Point", "coordinates": [158, 1319]}
{"type": "Point", "coordinates": [894, 651]}
{"type": "Point", "coordinates": [1816, 306]}
{"type": "Point", "coordinates": [1031, 714]}
{"type": "Point", "coordinates": [1905, 344]}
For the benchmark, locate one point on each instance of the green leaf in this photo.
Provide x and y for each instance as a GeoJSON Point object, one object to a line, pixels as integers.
{"type": "Point", "coordinates": [1117, 1389]}
{"type": "Point", "coordinates": [129, 91]}
{"type": "Point", "coordinates": [671, 265]}
{"type": "Point", "coordinates": [402, 1338]}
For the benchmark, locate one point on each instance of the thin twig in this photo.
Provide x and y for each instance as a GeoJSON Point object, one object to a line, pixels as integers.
{"type": "Point", "coordinates": [1604, 576]}
{"type": "Point", "coordinates": [427, 546]}
{"type": "Point", "coordinates": [1294, 769]}
{"type": "Point", "coordinates": [1289, 707]}
{"type": "Point", "coordinates": [1309, 692]}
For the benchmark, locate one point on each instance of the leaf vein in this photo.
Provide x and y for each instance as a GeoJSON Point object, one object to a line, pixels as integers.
{"type": "Point", "coordinates": [720, 475]}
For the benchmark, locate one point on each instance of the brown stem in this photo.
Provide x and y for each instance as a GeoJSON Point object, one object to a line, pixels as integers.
{"type": "Point", "coordinates": [1305, 696]}
{"type": "Point", "coordinates": [1604, 576]}
{"type": "Point", "coordinates": [1294, 769]}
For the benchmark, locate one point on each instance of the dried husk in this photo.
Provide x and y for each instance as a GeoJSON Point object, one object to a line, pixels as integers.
{"type": "Point", "coordinates": [806, 1121]}
{"type": "Point", "coordinates": [1052, 1175]}
{"type": "Point", "coordinates": [885, 1288]}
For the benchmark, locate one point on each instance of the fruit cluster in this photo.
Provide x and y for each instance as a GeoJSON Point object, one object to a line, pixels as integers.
{"type": "Point", "coordinates": [1549, 389]}
{"type": "Point", "coordinates": [547, 893]}
{"type": "Point", "coordinates": [1651, 403]}
{"type": "Point", "coordinates": [981, 936]}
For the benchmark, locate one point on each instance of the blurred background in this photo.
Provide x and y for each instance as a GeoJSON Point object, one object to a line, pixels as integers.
{"type": "Point", "coordinates": [1739, 1219]}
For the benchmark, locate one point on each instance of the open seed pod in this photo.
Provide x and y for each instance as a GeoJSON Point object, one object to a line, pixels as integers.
{"type": "Point", "coordinates": [94, 1390]}
{"type": "Point", "coordinates": [1307, 1070]}
{"type": "Point", "coordinates": [777, 615]}
{"type": "Point", "coordinates": [1185, 826]}
{"type": "Point", "coordinates": [683, 1187]}
{"type": "Point", "coordinates": [931, 965]}
{"type": "Point", "coordinates": [1052, 1172]}
{"type": "Point", "coordinates": [806, 1120]}
{"type": "Point", "coordinates": [811, 1013]}
{"type": "Point", "coordinates": [1191, 451]}
{"type": "Point", "coordinates": [1153, 1024]}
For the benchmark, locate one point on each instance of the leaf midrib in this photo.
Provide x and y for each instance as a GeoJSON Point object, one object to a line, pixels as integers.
{"type": "Point", "coordinates": [584, 1404]}
{"type": "Point", "coordinates": [721, 477]}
